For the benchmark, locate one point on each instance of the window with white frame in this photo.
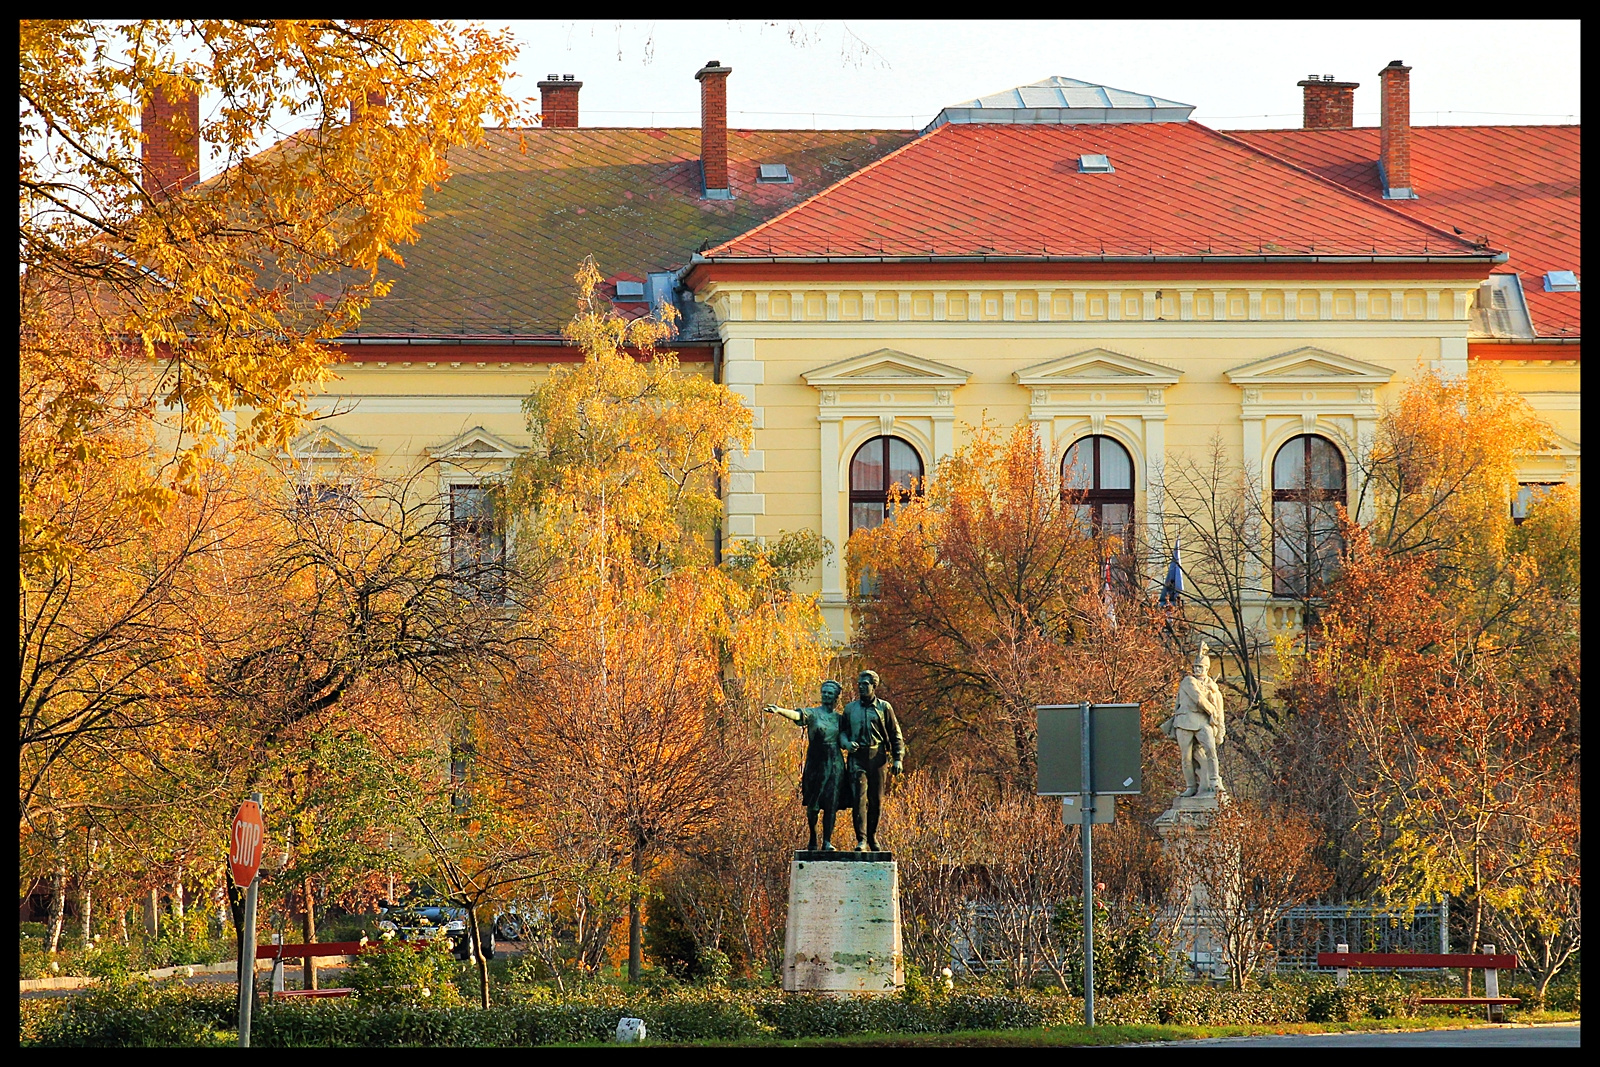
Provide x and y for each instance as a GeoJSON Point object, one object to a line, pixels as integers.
{"type": "Point", "coordinates": [1097, 483]}
{"type": "Point", "coordinates": [1308, 488]}
{"type": "Point", "coordinates": [477, 539]}
{"type": "Point", "coordinates": [1528, 493]}
{"type": "Point", "coordinates": [877, 465]}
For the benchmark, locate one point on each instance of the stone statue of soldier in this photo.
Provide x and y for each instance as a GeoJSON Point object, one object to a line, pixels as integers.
{"type": "Point", "coordinates": [871, 738]}
{"type": "Point", "coordinates": [824, 785]}
{"type": "Point", "coordinates": [1197, 725]}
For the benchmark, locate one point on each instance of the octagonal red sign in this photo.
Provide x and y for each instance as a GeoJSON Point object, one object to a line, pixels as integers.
{"type": "Point", "coordinates": [248, 839]}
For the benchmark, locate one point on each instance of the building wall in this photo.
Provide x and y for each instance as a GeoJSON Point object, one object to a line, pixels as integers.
{"type": "Point", "coordinates": [929, 364]}
{"type": "Point", "coordinates": [932, 363]}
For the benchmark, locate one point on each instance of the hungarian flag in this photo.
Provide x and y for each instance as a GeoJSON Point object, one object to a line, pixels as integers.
{"type": "Point", "coordinates": [1172, 588]}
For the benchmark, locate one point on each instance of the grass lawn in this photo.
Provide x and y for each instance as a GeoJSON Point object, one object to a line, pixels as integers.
{"type": "Point", "coordinates": [1079, 1036]}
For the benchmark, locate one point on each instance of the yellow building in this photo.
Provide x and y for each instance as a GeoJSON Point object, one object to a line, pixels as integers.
{"type": "Point", "coordinates": [1134, 284]}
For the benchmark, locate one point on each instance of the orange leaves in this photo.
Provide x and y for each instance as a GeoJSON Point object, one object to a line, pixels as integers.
{"type": "Point", "coordinates": [985, 601]}
{"type": "Point", "coordinates": [198, 278]}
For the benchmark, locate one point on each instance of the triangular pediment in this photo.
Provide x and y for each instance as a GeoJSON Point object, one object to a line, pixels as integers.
{"type": "Point", "coordinates": [887, 367]}
{"type": "Point", "coordinates": [477, 443]}
{"type": "Point", "coordinates": [325, 444]}
{"type": "Point", "coordinates": [1309, 366]}
{"type": "Point", "coordinates": [1097, 366]}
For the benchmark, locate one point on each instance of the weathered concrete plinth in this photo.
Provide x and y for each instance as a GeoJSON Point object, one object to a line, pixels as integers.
{"type": "Point", "coordinates": [1199, 937]}
{"type": "Point", "coordinates": [843, 935]}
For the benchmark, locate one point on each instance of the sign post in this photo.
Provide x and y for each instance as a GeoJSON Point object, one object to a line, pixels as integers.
{"type": "Point", "coordinates": [1087, 754]}
{"type": "Point", "coordinates": [1087, 744]}
{"type": "Point", "coordinates": [246, 841]}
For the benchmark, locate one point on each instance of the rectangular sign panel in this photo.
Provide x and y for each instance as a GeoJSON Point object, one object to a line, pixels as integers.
{"type": "Point", "coordinates": [1116, 749]}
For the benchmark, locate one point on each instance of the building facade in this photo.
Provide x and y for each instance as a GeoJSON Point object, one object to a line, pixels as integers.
{"type": "Point", "coordinates": [1134, 285]}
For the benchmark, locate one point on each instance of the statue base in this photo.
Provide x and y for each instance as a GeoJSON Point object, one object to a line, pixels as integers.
{"type": "Point", "coordinates": [1199, 937]}
{"type": "Point", "coordinates": [843, 934]}
{"type": "Point", "coordinates": [1190, 812]}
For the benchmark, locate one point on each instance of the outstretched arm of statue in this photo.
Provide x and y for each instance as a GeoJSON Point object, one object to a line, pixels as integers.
{"type": "Point", "coordinates": [787, 713]}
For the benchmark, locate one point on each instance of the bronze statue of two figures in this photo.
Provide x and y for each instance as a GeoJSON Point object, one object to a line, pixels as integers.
{"type": "Point", "coordinates": [848, 754]}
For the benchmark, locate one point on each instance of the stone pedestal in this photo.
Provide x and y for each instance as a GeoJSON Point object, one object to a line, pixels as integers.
{"type": "Point", "coordinates": [1197, 937]}
{"type": "Point", "coordinates": [843, 934]}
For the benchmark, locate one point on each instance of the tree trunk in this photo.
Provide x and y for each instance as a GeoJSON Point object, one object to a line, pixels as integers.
{"type": "Point", "coordinates": [309, 928]}
{"type": "Point", "coordinates": [122, 919]}
{"type": "Point", "coordinates": [635, 924]}
{"type": "Point", "coordinates": [475, 939]}
{"type": "Point", "coordinates": [152, 914]}
{"type": "Point", "coordinates": [177, 894]}
{"type": "Point", "coordinates": [58, 903]}
{"type": "Point", "coordinates": [86, 910]}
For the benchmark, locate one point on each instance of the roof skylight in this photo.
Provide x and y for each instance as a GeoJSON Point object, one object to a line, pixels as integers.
{"type": "Point", "coordinates": [774, 174]}
{"type": "Point", "coordinates": [1561, 281]}
{"type": "Point", "coordinates": [630, 292]}
{"type": "Point", "coordinates": [1092, 164]}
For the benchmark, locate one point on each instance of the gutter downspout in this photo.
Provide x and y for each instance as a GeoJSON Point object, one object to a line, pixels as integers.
{"type": "Point", "coordinates": [716, 378]}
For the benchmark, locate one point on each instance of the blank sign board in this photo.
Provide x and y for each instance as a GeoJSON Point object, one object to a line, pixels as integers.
{"type": "Point", "coordinates": [1115, 733]}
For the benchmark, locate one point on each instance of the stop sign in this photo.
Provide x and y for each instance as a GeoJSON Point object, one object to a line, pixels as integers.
{"type": "Point", "coordinates": [248, 839]}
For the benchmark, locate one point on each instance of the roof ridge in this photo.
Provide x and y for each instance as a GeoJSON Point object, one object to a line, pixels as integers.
{"type": "Point", "coordinates": [1345, 189]}
{"type": "Point", "coordinates": [708, 253]}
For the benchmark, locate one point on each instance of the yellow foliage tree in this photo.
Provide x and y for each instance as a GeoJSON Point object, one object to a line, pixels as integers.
{"type": "Point", "coordinates": [220, 296]}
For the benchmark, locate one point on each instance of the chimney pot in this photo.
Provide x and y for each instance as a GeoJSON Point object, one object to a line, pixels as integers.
{"type": "Point", "coordinates": [1394, 133]}
{"type": "Point", "coordinates": [713, 79]}
{"type": "Point", "coordinates": [170, 155]}
{"type": "Point", "coordinates": [1329, 104]}
{"type": "Point", "coordinates": [558, 102]}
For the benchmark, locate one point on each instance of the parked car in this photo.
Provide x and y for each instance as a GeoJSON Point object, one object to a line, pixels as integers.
{"type": "Point", "coordinates": [421, 916]}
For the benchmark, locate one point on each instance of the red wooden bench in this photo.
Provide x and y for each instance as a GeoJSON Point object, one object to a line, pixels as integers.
{"type": "Point", "coordinates": [279, 953]}
{"type": "Point", "coordinates": [1490, 963]}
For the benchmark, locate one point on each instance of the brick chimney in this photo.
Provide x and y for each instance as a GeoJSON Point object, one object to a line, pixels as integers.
{"type": "Point", "coordinates": [713, 79]}
{"type": "Point", "coordinates": [1330, 105]}
{"type": "Point", "coordinates": [171, 151]}
{"type": "Point", "coordinates": [558, 102]}
{"type": "Point", "coordinates": [1394, 137]}
{"type": "Point", "coordinates": [373, 98]}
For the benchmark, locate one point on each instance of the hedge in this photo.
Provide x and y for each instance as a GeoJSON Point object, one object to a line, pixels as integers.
{"type": "Point", "coordinates": [144, 1015]}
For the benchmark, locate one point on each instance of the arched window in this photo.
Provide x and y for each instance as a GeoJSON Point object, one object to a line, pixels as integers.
{"type": "Point", "coordinates": [1307, 489]}
{"type": "Point", "coordinates": [1097, 481]}
{"type": "Point", "coordinates": [878, 464]}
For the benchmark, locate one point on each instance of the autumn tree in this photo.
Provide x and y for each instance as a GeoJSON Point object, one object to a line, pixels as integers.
{"type": "Point", "coordinates": [989, 598]}
{"type": "Point", "coordinates": [1250, 865]}
{"type": "Point", "coordinates": [1435, 717]}
{"type": "Point", "coordinates": [229, 288]}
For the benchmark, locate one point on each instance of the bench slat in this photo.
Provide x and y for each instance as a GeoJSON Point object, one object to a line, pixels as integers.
{"type": "Point", "coordinates": [1466, 1000]}
{"type": "Point", "coordinates": [296, 952]}
{"type": "Point", "coordinates": [1499, 962]}
{"type": "Point", "coordinates": [315, 993]}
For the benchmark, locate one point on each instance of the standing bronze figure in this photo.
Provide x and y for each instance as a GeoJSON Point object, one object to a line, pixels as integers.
{"type": "Point", "coordinates": [824, 788]}
{"type": "Point", "coordinates": [871, 737]}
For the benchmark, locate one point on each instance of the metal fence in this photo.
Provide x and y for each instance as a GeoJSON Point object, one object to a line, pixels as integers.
{"type": "Point", "coordinates": [1306, 931]}
{"type": "Point", "coordinates": [1301, 934]}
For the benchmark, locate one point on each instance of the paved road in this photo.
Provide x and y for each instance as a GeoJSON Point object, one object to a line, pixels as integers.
{"type": "Point", "coordinates": [1555, 1035]}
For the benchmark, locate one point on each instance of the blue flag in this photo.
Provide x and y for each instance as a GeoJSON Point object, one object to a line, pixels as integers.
{"type": "Point", "coordinates": [1172, 588]}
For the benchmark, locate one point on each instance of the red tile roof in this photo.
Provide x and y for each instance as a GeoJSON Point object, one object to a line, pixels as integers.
{"type": "Point", "coordinates": [1179, 189]}
{"type": "Point", "coordinates": [1518, 185]}
{"type": "Point", "coordinates": [506, 233]}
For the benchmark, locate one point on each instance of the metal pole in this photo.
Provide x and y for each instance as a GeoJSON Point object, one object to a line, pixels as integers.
{"type": "Point", "coordinates": [1088, 873]}
{"type": "Point", "coordinates": [247, 952]}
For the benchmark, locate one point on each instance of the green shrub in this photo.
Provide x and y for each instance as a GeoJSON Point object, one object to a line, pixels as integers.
{"type": "Point", "coordinates": [401, 974]}
{"type": "Point", "coordinates": [137, 1014]}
